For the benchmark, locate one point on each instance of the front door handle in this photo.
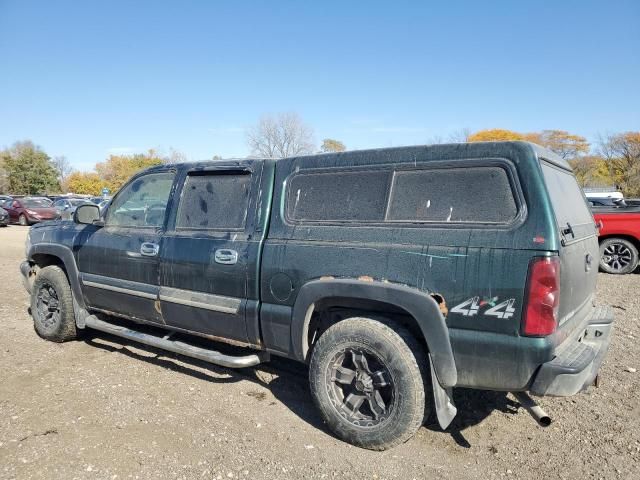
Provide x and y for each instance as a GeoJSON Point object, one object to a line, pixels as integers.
{"type": "Point", "coordinates": [149, 249]}
{"type": "Point", "coordinates": [226, 256]}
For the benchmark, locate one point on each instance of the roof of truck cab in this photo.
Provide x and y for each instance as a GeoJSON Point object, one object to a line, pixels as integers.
{"type": "Point", "coordinates": [208, 164]}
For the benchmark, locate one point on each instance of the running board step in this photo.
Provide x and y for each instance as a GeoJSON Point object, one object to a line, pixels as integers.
{"type": "Point", "coordinates": [175, 346]}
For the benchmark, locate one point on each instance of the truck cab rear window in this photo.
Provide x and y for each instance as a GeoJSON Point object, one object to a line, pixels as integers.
{"type": "Point", "coordinates": [480, 195]}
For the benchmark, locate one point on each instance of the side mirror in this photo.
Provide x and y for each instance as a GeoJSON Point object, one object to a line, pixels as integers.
{"type": "Point", "coordinates": [86, 214]}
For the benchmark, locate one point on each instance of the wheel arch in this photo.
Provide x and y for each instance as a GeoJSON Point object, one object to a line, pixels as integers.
{"type": "Point", "coordinates": [44, 255]}
{"type": "Point", "coordinates": [419, 305]}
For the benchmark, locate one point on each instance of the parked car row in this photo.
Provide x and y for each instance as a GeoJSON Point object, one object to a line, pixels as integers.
{"type": "Point", "coordinates": [27, 210]}
{"type": "Point", "coordinates": [66, 206]}
{"type": "Point", "coordinates": [30, 210]}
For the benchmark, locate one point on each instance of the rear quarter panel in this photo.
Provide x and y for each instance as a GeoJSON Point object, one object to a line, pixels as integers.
{"type": "Point", "coordinates": [480, 271]}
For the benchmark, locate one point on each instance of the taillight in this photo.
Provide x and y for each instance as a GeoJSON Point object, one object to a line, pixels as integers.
{"type": "Point", "coordinates": [543, 297]}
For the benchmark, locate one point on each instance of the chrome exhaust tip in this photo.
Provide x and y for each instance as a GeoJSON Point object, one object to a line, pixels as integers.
{"type": "Point", "coordinates": [535, 410]}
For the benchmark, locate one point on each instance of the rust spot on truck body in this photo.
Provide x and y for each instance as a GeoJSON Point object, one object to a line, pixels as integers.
{"type": "Point", "coordinates": [442, 304]}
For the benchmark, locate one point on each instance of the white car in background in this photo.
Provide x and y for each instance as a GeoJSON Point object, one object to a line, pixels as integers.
{"type": "Point", "coordinates": [604, 198]}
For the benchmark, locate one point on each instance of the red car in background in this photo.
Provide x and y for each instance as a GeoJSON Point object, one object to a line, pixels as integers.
{"type": "Point", "coordinates": [619, 237]}
{"type": "Point", "coordinates": [29, 210]}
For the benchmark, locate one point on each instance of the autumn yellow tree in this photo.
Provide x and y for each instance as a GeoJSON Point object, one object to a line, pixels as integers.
{"type": "Point", "coordinates": [563, 143]}
{"type": "Point", "coordinates": [331, 145]}
{"type": "Point", "coordinates": [85, 183]}
{"type": "Point", "coordinates": [622, 153]}
{"type": "Point", "coordinates": [501, 135]}
{"type": "Point", "coordinates": [591, 171]}
{"type": "Point", "coordinates": [117, 169]}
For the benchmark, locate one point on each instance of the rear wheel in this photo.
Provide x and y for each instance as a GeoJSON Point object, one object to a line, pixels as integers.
{"type": "Point", "coordinates": [52, 305]}
{"type": "Point", "coordinates": [369, 380]}
{"type": "Point", "coordinates": [23, 220]}
{"type": "Point", "coordinates": [618, 256]}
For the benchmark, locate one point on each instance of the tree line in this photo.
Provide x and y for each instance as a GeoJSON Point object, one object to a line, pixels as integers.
{"type": "Point", "coordinates": [26, 169]}
{"type": "Point", "coordinates": [612, 161]}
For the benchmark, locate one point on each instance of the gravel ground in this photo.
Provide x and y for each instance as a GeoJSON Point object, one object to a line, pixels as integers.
{"type": "Point", "coordinates": [100, 408]}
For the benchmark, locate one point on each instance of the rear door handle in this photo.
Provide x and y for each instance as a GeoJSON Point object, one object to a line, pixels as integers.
{"type": "Point", "coordinates": [226, 256]}
{"type": "Point", "coordinates": [149, 249]}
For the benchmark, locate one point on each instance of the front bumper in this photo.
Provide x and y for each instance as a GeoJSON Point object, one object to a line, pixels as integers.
{"type": "Point", "coordinates": [577, 360]}
{"type": "Point", "coordinates": [27, 275]}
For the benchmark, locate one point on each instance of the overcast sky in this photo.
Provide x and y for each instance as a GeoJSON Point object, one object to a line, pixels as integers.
{"type": "Point", "coordinates": [84, 79]}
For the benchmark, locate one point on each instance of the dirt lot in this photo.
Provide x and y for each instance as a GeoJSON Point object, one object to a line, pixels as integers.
{"type": "Point", "coordinates": [99, 408]}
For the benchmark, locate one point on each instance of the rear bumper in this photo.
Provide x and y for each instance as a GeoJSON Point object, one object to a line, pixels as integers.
{"type": "Point", "coordinates": [577, 360]}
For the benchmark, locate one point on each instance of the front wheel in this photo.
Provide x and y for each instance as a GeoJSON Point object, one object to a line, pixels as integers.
{"type": "Point", "coordinates": [22, 220]}
{"type": "Point", "coordinates": [52, 305]}
{"type": "Point", "coordinates": [618, 256]}
{"type": "Point", "coordinates": [369, 379]}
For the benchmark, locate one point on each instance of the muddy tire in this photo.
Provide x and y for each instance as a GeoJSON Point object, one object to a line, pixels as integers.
{"type": "Point", "coordinates": [52, 305]}
{"type": "Point", "coordinates": [369, 378]}
{"type": "Point", "coordinates": [618, 256]}
{"type": "Point", "coordinates": [22, 220]}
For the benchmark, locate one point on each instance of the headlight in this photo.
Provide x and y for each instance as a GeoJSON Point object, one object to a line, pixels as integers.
{"type": "Point", "coordinates": [31, 212]}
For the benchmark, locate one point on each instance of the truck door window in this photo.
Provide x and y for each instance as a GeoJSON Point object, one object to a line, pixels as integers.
{"type": "Point", "coordinates": [214, 201]}
{"type": "Point", "coordinates": [142, 203]}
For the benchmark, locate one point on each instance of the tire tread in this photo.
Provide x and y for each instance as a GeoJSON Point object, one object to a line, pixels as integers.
{"type": "Point", "coordinates": [58, 279]}
{"type": "Point", "coordinates": [412, 353]}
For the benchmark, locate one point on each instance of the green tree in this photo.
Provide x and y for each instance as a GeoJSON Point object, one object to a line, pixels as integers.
{"type": "Point", "coordinates": [29, 169]}
{"type": "Point", "coordinates": [4, 176]}
{"type": "Point", "coordinates": [331, 145]}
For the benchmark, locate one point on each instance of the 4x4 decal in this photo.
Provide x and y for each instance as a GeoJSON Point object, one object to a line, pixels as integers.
{"type": "Point", "coordinates": [468, 308]}
{"type": "Point", "coordinates": [472, 306]}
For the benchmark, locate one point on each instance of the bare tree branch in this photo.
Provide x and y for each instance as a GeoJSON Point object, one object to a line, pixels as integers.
{"type": "Point", "coordinates": [279, 136]}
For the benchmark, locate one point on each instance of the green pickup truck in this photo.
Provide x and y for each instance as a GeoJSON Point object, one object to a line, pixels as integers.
{"type": "Point", "coordinates": [396, 274]}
